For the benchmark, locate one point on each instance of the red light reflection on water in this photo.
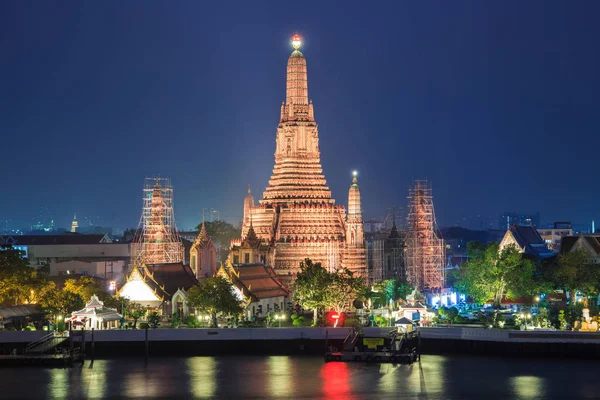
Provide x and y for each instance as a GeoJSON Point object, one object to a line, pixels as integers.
{"type": "Point", "coordinates": [336, 380]}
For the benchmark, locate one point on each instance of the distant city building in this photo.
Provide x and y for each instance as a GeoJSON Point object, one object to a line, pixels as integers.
{"type": "Point", "coordinates": [527, 240]}
{"type": "Point", "coordinates": [553, 237]}
{"type": "Point", "coordinates": [210, 214]}
{"type": "Point", "coordinates": [589, 243]}
{"type": "Point", "coordinates": [55, 250]}
{"type": "Point", "coordinates": [373, 225]}
{"type": "Point", "coordinates": [508, 219]}
{"type": "Point", "coordinates": [74, 224]}
{"type": "Point", "coordinates": [108, 269]}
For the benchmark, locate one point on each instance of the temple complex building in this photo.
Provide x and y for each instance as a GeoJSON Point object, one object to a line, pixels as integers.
{"type": "Point", "coordinates": [203, 255]}
{"type": "Point", "coordinates": [297, 217]}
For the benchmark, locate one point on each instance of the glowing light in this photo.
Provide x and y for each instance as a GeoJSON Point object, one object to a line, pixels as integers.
{"type": "Point", "coordinates": [296, 41]}
{"type": "Point", "coordinates": [354, 173]}
{"type": "Point", "coordinates": [528, 387]}
{"type": "Point", "coordinates": [138, 291]}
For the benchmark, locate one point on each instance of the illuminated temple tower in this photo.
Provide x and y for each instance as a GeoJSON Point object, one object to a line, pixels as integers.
{"type": "Point", "coordinates": [156, 240]}
{"type": "Point", "coordinates": [425, 251]}
{"type": "Point", "coordinates": [297, 217]}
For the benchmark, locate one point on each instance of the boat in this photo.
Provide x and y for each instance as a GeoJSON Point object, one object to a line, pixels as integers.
{"type": "Point", "coordinates": [397, 347]}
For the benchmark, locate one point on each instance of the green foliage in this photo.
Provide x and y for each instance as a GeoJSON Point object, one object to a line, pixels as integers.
{"type": "Point", "coordinates": [61, 326]}
{"type": "Point", "coordinates": [176, 320]}
{"type": "Point", "coordinates": [86, 287]}
{"type": "Point", "coordinates": [343, 289]}
{"type": "Point", "coordinates": [154, 320]}
{"type": "Point", "coordinates": [136, 311]}
{"type": "Point", "coordinates": [572, 272]}
{"type": "Point", "coordinates": [192, 322]}
{"type": "Point", "coordinates": [491, 275]}
{"type": "Point", "coordinates": [381, 321]}
{"type": "Point", "coordinates": [19, 283]}
{"type": "Point", "coordinates": [402, 288]}
{"type": "Point", "coordinates": [312, 282]}
{"type": "Point", "coordinates": [297, 320]}
{"type": "Point", "coordinates": [315, 288]}
{"type": "Point", "coordinates": [562, 321]}
{"type": "Point", "coordinates": [56, 301]}
{"type": "Point", "coordinates": [215, 296]}
{"type": "Point", "coordinates": [144, 325]}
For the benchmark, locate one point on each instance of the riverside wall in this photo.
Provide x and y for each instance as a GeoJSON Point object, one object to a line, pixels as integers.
{"type": "Point", "coordinates": [273, 341]}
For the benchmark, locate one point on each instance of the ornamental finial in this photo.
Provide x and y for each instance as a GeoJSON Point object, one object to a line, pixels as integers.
{"type": "Point", "coordinates": [296, 41]}
{"type": "Point", "coordinates": [354, 174]}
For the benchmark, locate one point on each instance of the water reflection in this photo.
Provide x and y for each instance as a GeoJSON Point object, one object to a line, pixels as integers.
{"type": "Point", "coordinates": [280, 376]}
{"type": "Point", "coordinates": [144, 384]}
{"type": "Point", "coordinates": [96, 379]}
{"type": "Point", "coordinates": [59, 383]}
{"type": "Point", "coordinates": [425, 377]}
{"type": "Point", "coordinates": [388, 380]}
{"type": "Point", "coordinates": [336, 380]}
{"type": "Point", "coordinates": [202, 376]}
{"type": "Point", "coordinates": [528, 387]}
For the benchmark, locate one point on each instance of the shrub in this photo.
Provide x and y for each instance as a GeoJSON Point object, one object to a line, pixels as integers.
{"type": "Point", "coordinates": [144, 325]}
{"type": "Point", "coordinates": [154, 320]}
{"type": "Point", "coordinates": [297, 320]}
{"type": "Point", "coordinates": [192, 322]}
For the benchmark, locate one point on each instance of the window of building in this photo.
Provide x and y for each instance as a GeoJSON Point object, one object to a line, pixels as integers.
{"type": "Point", "coordinates": [236, 259]}
{"type": "Point", "coordinates": [247, 258]}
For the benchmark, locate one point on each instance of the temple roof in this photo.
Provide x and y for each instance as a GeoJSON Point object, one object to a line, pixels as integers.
{"type": "Point", "coordinates": [258, 279]}
{"type": "Point", "coordinates": [568, 242]}
{"type": "Point", "coordinates": [173, 276]}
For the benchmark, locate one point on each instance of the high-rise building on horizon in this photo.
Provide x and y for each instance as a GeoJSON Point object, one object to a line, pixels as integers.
{"type": "Point", "coordinates": [297, 217]}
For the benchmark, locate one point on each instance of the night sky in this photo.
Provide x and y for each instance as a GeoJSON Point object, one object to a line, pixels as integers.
{"type": "Point", "coordinates": [496, 103]}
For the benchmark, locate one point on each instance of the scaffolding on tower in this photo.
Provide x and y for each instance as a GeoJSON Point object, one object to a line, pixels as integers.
{"type": "Point", "coordinates": [425, 250]}
{"type": "Point", "coordinates": [156, 240]}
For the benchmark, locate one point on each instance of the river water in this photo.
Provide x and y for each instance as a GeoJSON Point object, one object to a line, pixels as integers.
{"type": "Point", "coordinates": [294, 377]}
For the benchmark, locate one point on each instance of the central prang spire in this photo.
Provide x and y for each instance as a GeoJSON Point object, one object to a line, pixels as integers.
{"type": "Point", "coordinates": [297, 83]}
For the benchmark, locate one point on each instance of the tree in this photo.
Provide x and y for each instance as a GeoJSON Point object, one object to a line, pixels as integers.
{"type": "Point", "coordinates": [19, 283]}
{"type": "Point", "coordinates": [136, 311]}
{"type": "Point", "coordinates": [573, 272]}
{"type": "Point", "coordinates": [402, 288]}
{"type": "Point", "coordinates": [343, 289]}
{"type": "Point", "coordinates": [311, 286]}
{"type": "Point", "coordinates": [86, 287]}
{"type": "Point", "coordinates": [56, 301]}
{"type": "Point", "coordinates": [492, 275]}
{"type": "Point", "coordinates": [215, 296]}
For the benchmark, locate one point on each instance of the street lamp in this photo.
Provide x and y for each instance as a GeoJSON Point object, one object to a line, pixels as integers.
{"type": "Point", "coordinates": [280, 317]}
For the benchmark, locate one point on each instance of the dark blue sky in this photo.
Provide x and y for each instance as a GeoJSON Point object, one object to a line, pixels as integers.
{"type": "Point", "coordinates": [495, 102]}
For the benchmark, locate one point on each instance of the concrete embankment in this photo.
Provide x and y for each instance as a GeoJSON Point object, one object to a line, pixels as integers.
{"type": "Point", "coordinates": [273, 341]}
{"type": "Point", "coordinates": [508, 343]}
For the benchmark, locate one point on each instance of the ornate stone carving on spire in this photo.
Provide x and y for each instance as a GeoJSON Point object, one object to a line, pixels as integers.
{"type": "Point", "coordinates": [297, 216]}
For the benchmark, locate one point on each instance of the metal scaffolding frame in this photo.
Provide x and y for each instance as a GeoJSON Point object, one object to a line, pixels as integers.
{"type": "Point", "coordinates": [425, 250]}
{"type": "Point", "coordinates": [156, 240]}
